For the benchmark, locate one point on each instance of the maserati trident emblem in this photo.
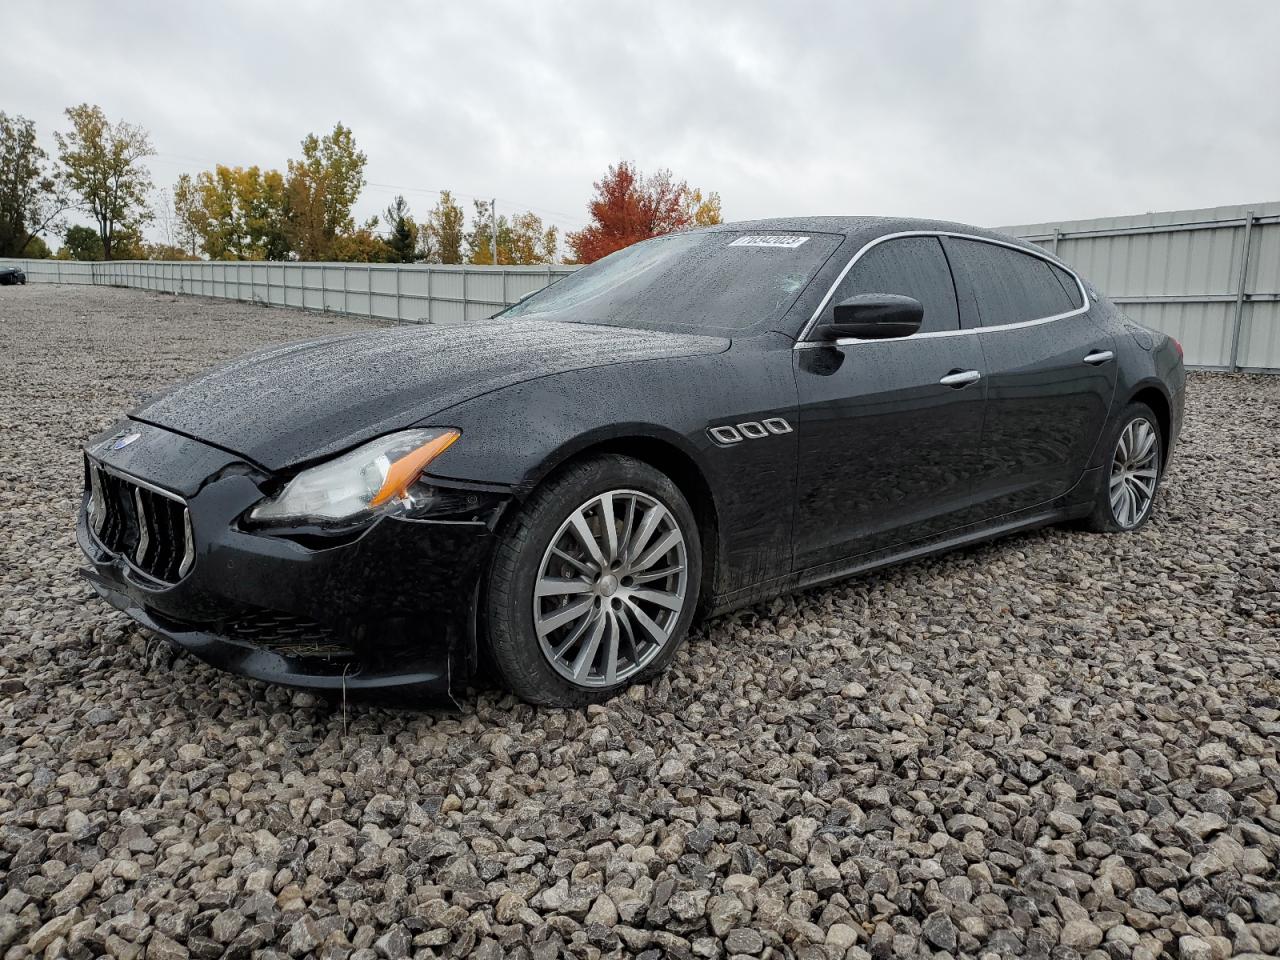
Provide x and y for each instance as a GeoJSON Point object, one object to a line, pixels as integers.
{"type": "Point", "coordinates": [124, 441]}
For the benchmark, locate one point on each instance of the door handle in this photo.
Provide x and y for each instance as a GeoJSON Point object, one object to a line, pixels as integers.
{"type": "Point", "coordinates": [1096, 358]}
{"type": "Point", "coordinates": [960, 378]}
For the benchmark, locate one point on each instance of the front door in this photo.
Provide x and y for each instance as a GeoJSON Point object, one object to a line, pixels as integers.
{"type": "Point", "coordinates": [887, 450]}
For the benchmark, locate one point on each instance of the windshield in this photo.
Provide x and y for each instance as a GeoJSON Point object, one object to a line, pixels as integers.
{"type": "Point", "coordinates": [718, 281]}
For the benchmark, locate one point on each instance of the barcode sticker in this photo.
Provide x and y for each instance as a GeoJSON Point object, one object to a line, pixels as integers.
{"type": "Point", "coordinates": [784, 241]}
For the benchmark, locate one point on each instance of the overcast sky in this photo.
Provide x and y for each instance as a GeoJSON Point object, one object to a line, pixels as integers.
{"type": "Point", "coordinates": [987, 112]}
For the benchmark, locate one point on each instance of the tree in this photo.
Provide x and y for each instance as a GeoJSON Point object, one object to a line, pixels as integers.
{"type": "Point", "coordinates": [103, 166]}
{"type": "Point", "coordinates": [321, 191]}
{"type": "Point", "coordinates": [629, 207]}
{"type": "Point", "coordinates": [442, 234]}
{"type": "Point", "coordinates": [402, 233]}
{"type": "Point", "coordinates": [521, 238]}
{"type": "Point", "coordinates": [31, 200]}
{"type": "Point", "coordinates": [167, 251]}
{"type": "Point", "coordinates": [703, 213]}
{"type": "Point", "coordinates": [526, 241]}
{"type": "Point", "coordinates": [238, 213]}
{"type": "Point", "coordinates": [362, 245]}
{"type": "Point", "coordinates": [186, 215]}
{"type": "Point", "coordinates": [81, 243]}
{"type": "Point", "coordinates": [37, 249]}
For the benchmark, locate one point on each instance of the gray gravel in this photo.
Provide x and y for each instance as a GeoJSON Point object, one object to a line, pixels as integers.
{"type": "Point", "coordinates": [1058, 745]}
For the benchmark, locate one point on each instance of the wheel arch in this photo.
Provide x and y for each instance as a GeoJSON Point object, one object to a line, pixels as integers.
{"type": "Point", "coordinates": [1155, 397]}
{"type": "Point", "coordinates": [668, 454]}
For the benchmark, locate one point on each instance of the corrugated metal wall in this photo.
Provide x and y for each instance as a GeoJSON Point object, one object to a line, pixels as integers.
{"type": "Point", "coordinates": [1210, 278]}
{"type": "Point", "coordinates": [406, 293]}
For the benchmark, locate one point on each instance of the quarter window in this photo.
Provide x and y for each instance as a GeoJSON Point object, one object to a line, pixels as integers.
{"type": "Point", "coordinates": [1068, 284]}
{"type": "Point", "coordinates": [1010, 286]}
{"type": "Point", "coordinates": [911, 267]}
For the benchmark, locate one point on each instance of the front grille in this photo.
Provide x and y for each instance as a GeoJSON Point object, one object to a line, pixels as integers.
{"type": "Point", "coordinates": [151, 529]}
{"type": "Point", "coordinates": [287, 634]}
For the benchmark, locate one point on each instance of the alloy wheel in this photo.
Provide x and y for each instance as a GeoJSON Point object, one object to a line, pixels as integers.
{"type": "Point", "coordinates": [611, 588]}
{"type": "Point", "coordinates": [1134, 470]}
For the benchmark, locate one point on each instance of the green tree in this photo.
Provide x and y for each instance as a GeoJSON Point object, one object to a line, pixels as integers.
{"type": "Point", "coordinates": [322, 189]}
{"type": "Point", "coordinates": [361, 245]}
{"type": "Point", "coordinates": [81, 243]}
{"type": "Point", "coordinates": [528, 242]}
{"type": "Point", "coordinates": [522, 239]}
{"type": "Point", "coordinates": [37, 249]}
{"type": "Point", "coordinates": [402, 232]}
{"type": "Point", "coordinates": [186, 214]}
{"type": "Point", "coordinates": [31, 200]}
{"type": "Point", "coordinates": [443, 233]}
{"type": "Point", "coordinates": [238, 213]}
{"type": "Point", "coordinates": [103, 165]}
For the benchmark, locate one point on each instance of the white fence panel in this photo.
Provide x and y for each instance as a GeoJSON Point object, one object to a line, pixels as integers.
{"type": "Point", "coordinates": [400, 293]}
{"type": "Point", "coordinates": [1210, 278]}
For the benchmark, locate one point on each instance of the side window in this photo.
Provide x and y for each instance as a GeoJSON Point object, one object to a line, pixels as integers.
{"type": "Point", "coordinates": [1010, 286]}
{"type": "Point", "coordinates": [913, 267]}
{"type": "Point", "coordinates": [1068, 284]}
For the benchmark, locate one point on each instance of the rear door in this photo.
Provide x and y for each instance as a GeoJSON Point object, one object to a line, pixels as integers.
{"type": "Point", "coordinates": [887, 450]}
{"type": "Point", "coordinates": [1050, 370]}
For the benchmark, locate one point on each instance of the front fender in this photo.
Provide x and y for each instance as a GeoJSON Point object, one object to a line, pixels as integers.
{"type": "Point", "coordinates": [518, 435]}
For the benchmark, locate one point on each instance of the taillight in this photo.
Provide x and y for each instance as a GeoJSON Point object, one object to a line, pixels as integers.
{"type": "Point", "coordinates": [1178, 346]}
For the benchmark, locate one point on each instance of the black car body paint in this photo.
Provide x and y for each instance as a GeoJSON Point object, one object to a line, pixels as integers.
{"type": "Point", "coordinates": [882, 461]}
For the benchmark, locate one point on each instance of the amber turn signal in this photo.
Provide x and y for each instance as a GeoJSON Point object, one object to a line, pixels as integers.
{"type": "Point", "coordinates": [404, 472]}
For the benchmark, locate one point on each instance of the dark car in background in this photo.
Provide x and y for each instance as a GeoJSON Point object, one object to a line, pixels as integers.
{"type": "Point", "coordinates": [694, 423]}
{"type": "Point", "coordinates": [11, 275]}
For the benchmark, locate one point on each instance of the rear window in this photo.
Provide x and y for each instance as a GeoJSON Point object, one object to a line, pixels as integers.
{"type": "Point", "coordinates": [1010, 286]}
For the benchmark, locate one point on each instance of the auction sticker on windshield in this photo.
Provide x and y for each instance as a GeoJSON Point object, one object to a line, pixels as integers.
{"type": "Point", "coordinates": [784, 241]}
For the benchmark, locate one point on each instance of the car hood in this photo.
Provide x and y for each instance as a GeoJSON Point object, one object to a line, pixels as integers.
{"type": "Point", "coordinates": [305, 401]}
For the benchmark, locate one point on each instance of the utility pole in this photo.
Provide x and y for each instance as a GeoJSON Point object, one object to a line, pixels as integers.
{"type": "Point", "coordinates": [493, 226]}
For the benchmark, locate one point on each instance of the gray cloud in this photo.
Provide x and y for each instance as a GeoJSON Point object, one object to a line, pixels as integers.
{"type": "Point", "coordinates": [989, 112]}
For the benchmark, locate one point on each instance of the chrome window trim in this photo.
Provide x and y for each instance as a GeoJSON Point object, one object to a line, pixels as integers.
{"type": "Point", "coordinates": [802, 343]}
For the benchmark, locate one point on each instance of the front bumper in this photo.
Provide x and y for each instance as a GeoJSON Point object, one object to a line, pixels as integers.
{"type": "Point", "coordinates": [390, 607]}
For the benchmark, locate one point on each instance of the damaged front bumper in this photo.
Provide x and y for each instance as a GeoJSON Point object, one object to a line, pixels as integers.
{"type": "Point", "coordinates": [388, 608]}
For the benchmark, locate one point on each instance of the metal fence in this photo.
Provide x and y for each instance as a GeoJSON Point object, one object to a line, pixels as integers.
{"type": "Point", "coordinates": [1210, 278]}
{"type": "Point", "coordinates": [405, 293]}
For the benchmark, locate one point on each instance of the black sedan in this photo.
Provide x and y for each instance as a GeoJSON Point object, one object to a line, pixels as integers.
{"type": "Point", "coordinates": [695, 423]}
{"type": "Point", "coordinates": [11, 275]}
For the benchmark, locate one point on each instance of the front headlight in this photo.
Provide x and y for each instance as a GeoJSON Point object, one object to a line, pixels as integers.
{"type": "Point", "coordinates": [370, 480]}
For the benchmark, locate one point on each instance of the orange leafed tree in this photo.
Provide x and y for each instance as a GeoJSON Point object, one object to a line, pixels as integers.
{"type": "Point", "coordinates": [629, 207]}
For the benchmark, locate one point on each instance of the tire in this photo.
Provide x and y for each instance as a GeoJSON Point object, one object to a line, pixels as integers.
{"type": "Point", "coordinates": [1137, 428]}
{"type": "Point", "coordinates": [584, 615]}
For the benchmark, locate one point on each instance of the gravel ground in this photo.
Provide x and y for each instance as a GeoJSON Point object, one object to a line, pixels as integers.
{"type": "Point", "coordinates": [1057, 745]}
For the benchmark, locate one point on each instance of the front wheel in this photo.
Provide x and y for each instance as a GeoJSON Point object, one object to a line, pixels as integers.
{"type": "Point", "coordinates": [594, 585]}
{"type": "Point", "coordinates": [1133, 473]}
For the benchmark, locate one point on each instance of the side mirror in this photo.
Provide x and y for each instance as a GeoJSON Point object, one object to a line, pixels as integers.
{"type": "Point", "coordinates": [874, 316]}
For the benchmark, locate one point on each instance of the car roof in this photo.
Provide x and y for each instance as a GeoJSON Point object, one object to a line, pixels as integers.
{"type": "Point", "coordinates": [868, 228]}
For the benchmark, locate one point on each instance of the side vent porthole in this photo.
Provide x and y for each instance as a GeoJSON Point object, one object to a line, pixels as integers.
{"type": "Point", "coordinates": [726, 435]}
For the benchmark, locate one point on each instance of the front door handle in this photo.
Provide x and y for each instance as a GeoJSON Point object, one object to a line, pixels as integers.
{"type": "Point", "coordinates": [1096, 358]}
{"type": "Point", "coordinates": [960, 378]}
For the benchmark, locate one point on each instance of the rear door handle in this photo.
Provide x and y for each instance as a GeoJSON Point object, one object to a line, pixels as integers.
{"type": "Point", "coordinates": [960, 378]}
{"type": "Point", "coordinates": [1096, 358]}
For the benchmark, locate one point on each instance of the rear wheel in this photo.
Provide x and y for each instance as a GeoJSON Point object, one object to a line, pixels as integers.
{"type": "Point", "coordinates": [1126, 497]}
{"type": "Point", "coordinates": [595, 584]}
